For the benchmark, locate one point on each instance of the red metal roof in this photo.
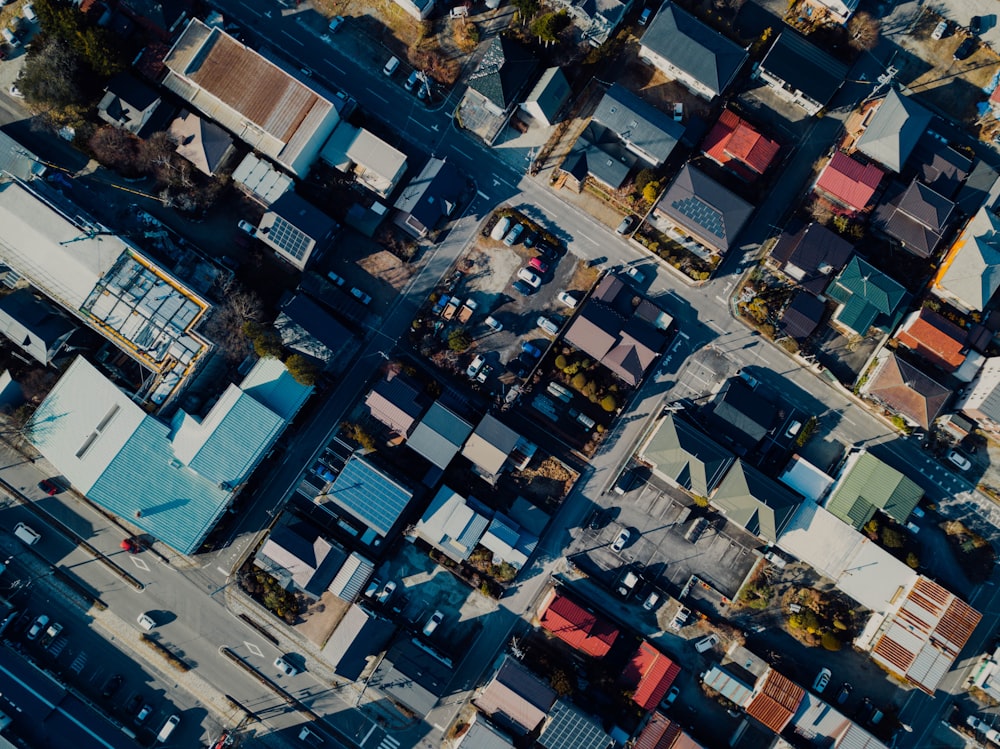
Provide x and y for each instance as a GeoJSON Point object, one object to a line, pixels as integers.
{"type": "Point", "coordinates": [776, 703]}
{"type": "Point", "coordinates": [651, 673]}
{"type": "Point", "coordinates": [576, 626]}
{"type": "Point", "coordinates": [659, 733]}
{"type": "Point", "coordinates": [936, 339]}
{"type": "Point", "coordinates": [850, 182]}
{"type": "Point", "coordinates": [734, 144]}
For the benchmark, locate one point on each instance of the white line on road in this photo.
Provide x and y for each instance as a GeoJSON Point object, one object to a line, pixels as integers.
{"type": "Point", "coordinates": [482, 194]}
{"type": "Point", "coordinates": [377, 96]}
{"type": "Point", "coordinates": [293, 38]}
{"type": "Point", "coordinates": [335, 67]}
{"type": "Point", "coordinates": [716, 327]}
{"type": "Point", "coordinates": [418, 124]}
{"type": "Point", "coordinates": [683, 335]}
{"type": "Point", "coordinates": [252, 10]}
{"type": "Point", "coordinates": [464, 153]}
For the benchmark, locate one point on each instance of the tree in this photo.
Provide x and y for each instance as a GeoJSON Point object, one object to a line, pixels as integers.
{"type": "Point", "coordinates": [116, 149]}
{"type": "Point", "coordinates": [458, 340]}
{"type": "Point", "coordinates": [892, 538]}
{"type": "Point", "coordinates": [547, 27]}
{"type": "Point", "coordinates": [831, 642]}
{"type": "Point", "coordinates": [53, 75]}
{"type": "Point", "coordinates": [265, 340]}
{"type": "Point", "coordinates": [579, 381]}
{"type": "Point", "coordinates": [643, 178]}
{"type": "Point", "coordinates": [561, 682]}
{"type": "Point", "coordinates": [560, 362]}
{"type": "Point", "coordinates": [912, 560]}
{"type": "Point", "coordinates": [650, 191]}
{"type": "Point", "coordinates": [303, 370]}
{"type": "Point", "coordinates": [226, 326]}
{"type": "Point", "coordinates": [608, 403]}
{"type": "Point", "coordinates": [526, 9]}
{"type": "Point", "coordinates": [863, 30]}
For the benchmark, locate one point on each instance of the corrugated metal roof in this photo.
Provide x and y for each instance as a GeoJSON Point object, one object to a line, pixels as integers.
{"type": "Point", "coordinates": [481, 735]}
{"type": "Point", "coordinates": [490, 445]}
{"type": "Point", "coordinates": [516, 696]}
{"type": "Point", "coordinates": [352, 578]}
{"type": "Point", "coordinates": [727, 685]}
{"type": "Point", "coordinates": [736, 145]}
{"type": "Point", "coordinates": [576, 626]}
{"type": "Point", "coordinates": [776, 702]}
{"type": "Point", "coordinates": [651, 673]}
{"type": "Point", "coordinates": [850, 182]}
{"type": "Point", "coordinates": [270, 383]}
{"type": "Point", "coordinates": [867, 484]}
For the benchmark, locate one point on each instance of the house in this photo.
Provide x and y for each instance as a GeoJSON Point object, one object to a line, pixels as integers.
{"type": "Point", "coordinates": [160, 17]}
{"type": "Point", "coordinates": [916, 217]}
{"type": "Point", "coordinates": [683, 455]}
{"type": "Point", "coordinates": [802, 316]}
{"type": "Point", "coordinates": [514, 698]}
{"type": "Point", "coordinates": [419, 9]}
{"type": "Point", "coordinates": [489, 447]}
{"type": "Point", "coordinates": [453, 524]}
{"type": "Point", "coordinates": [704, 210]}
{"type": "Point", "coordinates": [106, 283]}
{"type": "Point", "coordinates": [372, 502]}
{"type": "Point", "coordinates": [570, 728]}
{"type": "Point", "coordinates": [263, 105]}
{"type": "Point", "coordinates": [849, 183]}
{"type": "Point", "coordinates": [431, 196]}
{"type": "Point", "coordinates": [359, 637]}
{"type": "Point", "coordinates": [939, 165]}
{"type": "Point", "coordinates": [296, 230]}
{"type": "Point", "coordinates": [892, 130]}
{"type": "Point", "coordinates": [838, 11]}
{"type": "Point", "coordinates": [659, 732]}
{"type": "Point", "coordinates": [775, 700]}
{"type": "Point", "coordinates": [905, 390]}
{"type": "Point", "coordinates": [688, 51]}
{"type": "Point", "coordinates": [203, 143]}
{"type": "Point", "coordinates": [734, 144]}
{"type": "Point", "coordinates": [395, 402]}
{"type": "Point", "coordinates": [439, 435]}
{"type": "Point", "coordinates": [575, 625]}
{"type": "Point", "coordinates": [352, 577]}
{"type": "Point", "coordinates": [132, 106]}
{"type": "Point", "coordinates": [510, 542]}
{"type": "Point", "coordinates": [755, 502]}
{"type": "Point", "coordinates": [34, 326]}
{"type": "Point", "coordinates": [729, 681]}
{"type": "Point", "coordinates": [501, 76]}
{"type": "Point", "coordinates": [649, 674]}
{"type": "Point", "coordinates": [810, 255]}
{"type": "Point", "coordinates": [300, 558]}
{"type": "Point", "coordinates": [412, 675]}
{"type": "Point", "coordinates": [642, 128]}
{"type": "Point", "coordinates": [982, 400]}
{"type": "Point", "coordinates": [817, 723]}
{"type": "Point", "coordinates": [867, 485]}
{"type": "Point", "coordinates": [260, 181]}
{"type": "Point", "coordinates": [621, 329]}
{"type": "Point", "coordinates": [599, 154]}
{"type": "Point", "coordinates": [545, 101]}
{"type": "Point", "coordinates": [172, 480]}
{"type": "Point", "coordinates": [742, 414]}
{"type": "Point", "coordinates": [306, 328]}
{"type": "Point", "coordinates": [482, 735]}
{"type": "Point", "coordinates": [597, 20]}
{"type": "Point", "coordinates": [969, 274]}
{"type": "Point", "coordinates": [800, 72]}
{"type": "Point", "coordinates": [866, 298]}
{"type": "Point", "coordinates": [373, 162]}
{"type": "Point", "coordinates": [935, 338]}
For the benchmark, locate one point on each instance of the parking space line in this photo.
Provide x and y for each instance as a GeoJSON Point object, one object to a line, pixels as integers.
{"type": "Point", "coordinates": [297, 41]}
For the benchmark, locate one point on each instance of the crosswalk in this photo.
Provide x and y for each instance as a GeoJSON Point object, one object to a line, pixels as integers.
{"type": "Point", "coordinates": [78, 663]}
{"type": "Point", "coordinates": [388, 742]}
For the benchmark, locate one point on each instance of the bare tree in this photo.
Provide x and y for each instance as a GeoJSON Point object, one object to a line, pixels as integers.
{"type": "Point", "coordinates": [117, 150]}
{"type": "Point", "coordinates": [863, 30]}
{"type": "Point", "coordinates": [225, 327]}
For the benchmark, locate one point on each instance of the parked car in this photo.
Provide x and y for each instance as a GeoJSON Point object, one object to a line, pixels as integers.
{"type": "Point", "coordinates": [651, 600]}
{"type": "Point", "coordinates": [939, 30]}
{"type": "Point", "coordinates": [529, 239]}
{"type": "Point", "coordinates": [636, 275]}
{"type": "Point", "coordinates": [529, 277]}
{"type": "Point", "coordinates": [706, 643]}
{"type": "Point", "coordinates": [976, 24]}
{"type": "Point", "coordinates": [793, 429]}
{"type": "Point", "coordinates": [111, 686]}
{"type": "Point", "coordinates": [475, 366]}
{"type": "Point", "coordinates": [390, 66]}
{"type": "Point", "coordinates": [335, 23]}
{"type": "Point", "coordinates": [625, 226]}
{"type": "Point", "coordinates": [361, 296]}
{"type": "Point", "coordinates": [285, 667]}
{"type": "Point", "coordinates": [568, 299]}
{"type": "Point", "coordinates": [411, 81]}
{"type": "Point", "coordinates": [511, 239]}
{"type": "Point", "coordinates": [493, 324]}
{"type": "Point", "coordinates": [623, 536]}
{"type": "Point", "coordinates": [144, 713]}
{"type": "Point", "coordinates": [975, 724]}
{"type": "Point", "coordinates": [500, 229]}
{"type": "Point", "coordinates": [547, 325]}
{"type": "Point", "coordinates": [432, 624]}
{"type": "Point", "coordinates": [537, 264]}
{"type": "Point", "coordinates": [247, 227]}
{"type": "Point", "coordinates": [49, 486]}
{"type": "Point", "coordinates": [386, 593]}
{"type": "Point", "coordinates": [844, 693]}
{"type": "Point", "coordinates": [523, 288]}
{"type": "Point", "coordinates": [168, 728]}
{"type": "Point", "coordinates": [671, 697]}
{"type": "Point", "coordinates": [965, 49]}
{"type": "Point", "coordinates": [307, 72]}
{"type": "Point", "coordinates": [335, 279]}
{"type": "Point", "coordinates": [40, 623]}
{"type": "Point", "coordinates": [959, 460]}
{"type": "Point", "coordinates": [15, 91]}
{"type": "Point", "coordinates": [146, 622]}
{"type": "Point", "coordinates": [822, 679]}
{"type": "Point", "coordinates": [644, 16]}
{"type": "Point", "coordinates": [680, 618]}
{"type": "Point", "coordinates": [26, 535]}
{"type": "Point", "coordinates": [533, 351]}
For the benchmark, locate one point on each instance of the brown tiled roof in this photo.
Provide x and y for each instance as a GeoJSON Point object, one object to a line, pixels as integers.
{"type": "Point", "coordinates": [936, 339]}
{"type": "Point", "coordinates": [903, 388]}
{"type": "Point", "coordinates": [516, 694]}
{"type": "Point", "coordinates": [776, 702]}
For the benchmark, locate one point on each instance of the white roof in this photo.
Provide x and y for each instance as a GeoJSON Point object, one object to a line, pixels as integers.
{"type": "Point", "coordinates": [858, 566]}
{"type": "Point", "coordinates": [806, 479]}
{"type": "Point", "coordinates": [261, 180]}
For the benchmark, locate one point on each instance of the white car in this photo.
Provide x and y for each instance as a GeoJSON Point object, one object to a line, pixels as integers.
{"type": "Point", "coordinates": [547, 325]}
{"type": "Point", "coordinates": [959, 460]}
{"type": "Point", "coordinates": [822, 679]}
{"type": "Point", "coordinates": [568, 299]}
{"type": "Point", "coordinates": [621, 540]}
{"type": "Point", "coordinates": [475, 366]}
{"type": "Point", "coordinates": [939, 30]}
{"type": "Point", "coordinates": [386, 593]}
{"type": "Point", "coordinates": [285, 667]}
{"type": "Point", "coordinates": [493, 324]}
{"type": "Point", "coordinates": [513, 235]}
{"type": "Point", "coordinates": [436, 618]}
{"type": "Point", "coordinates": [36, 629]}
{"type": "Point", "coordinates": [146, 622]}
{"type": "Point", "coordinates": [532, 279]}
{"type": "Point", "coordinates": [248, 228]}
{"type": "Point", "coordinates": [15, 91]}
{"type": "Point", "coordinates": [501, 229]}
{"type": "Point", "coordinates": [706, 643]}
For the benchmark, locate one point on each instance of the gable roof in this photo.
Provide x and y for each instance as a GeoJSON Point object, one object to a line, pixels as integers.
{"type": "Point", "coordinates": [894, 130]}
{"type": "Point", "coordinates": [849, 182]}
{"type": "Point", "coordinates": [939, 165]}
{"type": "Point", "coordinates": [935, 338]}
{"type": "Point", "coordinates": [802, 315]}
{"type": "Point", "coordinates": [453, 524]}
{"type": "Point", "coordinates": [866, 484]}
{"type": "Point", "coordinates": [200, 141]}
{"type": "Point", "coordinates": [915, 216]}
{"type": "Point", "coordinates": [741, 413]}
{"type": "Point", "coordinates": [644, 129]}
{"type": "Point", "coordinates": [482, 735]}
{"type": "Point", "coordinates": [412, 675]}
{"type": "Point", "coordinates": [903, 388]}
{"type": "Point", "coordinates": [306, 327]}
{"type": "Point", "coordinates": [432, 194]}
{"type": "Point", "coordinates": [865, 293]}
{"type": "Point", "coordinates": [601, 154]}
{"type": "Point", "coordinates": [650, 674]}
{"type": "Point", "coordinates": [503, 72]}
{"type": "Point", "coordinates": [550, 92]}
{"type": "Point", "coordinates": [576, 626]}
{"type": "Point", "coordinates": [706, 209]}
{"type": "Point", "coordinates": [682, 453]}
{"type": "Point", "coordinates": [775, 702]}
{"type": "Point", "coordinates": [971, 270]}
{"type": "Point", "coordinates": [439, 435]}
{"type": "Point", "coordinates": [752, 500]}
{"type": "Point", "coordinates": [662, 733]}
{"type": "Point", "coordinates": [804, 67]}
{"type": "Point", "coordinates": [691, 46]}
{"type": "Point", "coordinates": [396, 403]}
{"type": "Point", "coordinates": [811, 254]}
{"type": "Point", "coordinates": [515, 698]}
{"type": "Point", "coordinates": [358, 636]}
{"type": "Point", "coordinates": [32, 324]}
{"type": "Point", "coordinates": [489, 446]}
{"type": "Point", "coordinates": [369, 495]}
{"type": "Point", "coordinates": [299, 550]}
{"type": "Point", "coordinates": [734, 144]}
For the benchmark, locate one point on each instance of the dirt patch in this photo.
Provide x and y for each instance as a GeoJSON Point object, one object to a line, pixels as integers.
{"type": "Point", "coordinates": [546, 484]}
{"type": "Point", "coordinates": [660, 91]}
{"type": "Point", "coordinates": [489, 267]}
{"type": "Point", "coordinates": [388, 268]}
{"type": "Point", "coordinates": [322, 617]}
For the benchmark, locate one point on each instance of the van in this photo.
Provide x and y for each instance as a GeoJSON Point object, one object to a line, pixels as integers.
{"type": "Point", "coordinates": [706, 643]}
{"type": "Point", "coordinates": [26, 534]}
{"type": "Point", "coordinates": [168, 728]}
{"type": "Point", "coordinates": [390, 67]}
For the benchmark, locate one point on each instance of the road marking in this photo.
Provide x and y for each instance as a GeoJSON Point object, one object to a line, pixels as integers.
{"type": "Point", "coordinates": [389, 743]}
{"type": "Point", "coordinates": [683, 335]}
{"type": "Point", "coordinates": [465, 154]}
{"type": "Point", "coordinates": [252, 10]}
{"type": "Point", "coordinates": [253, 649]}
{"type": "Point", "coordinates": [482, 194]}
{"type": "Point", "coordinates": [301, 44]}
{"type": "Point", "coordinates": [377, 96]}
{"type": "Point", "coordinates": [224, 572]}
{"type": "Point", "coordinates": [335, 66]}
{"type": "Point", "coordinates": [140, 564]}
{"type": "Point", "coordinates": [716, 327]}
{"type": "Point", "coordinates": [418, 124]}
{"type": "Point", "coordinates": [722, 299]}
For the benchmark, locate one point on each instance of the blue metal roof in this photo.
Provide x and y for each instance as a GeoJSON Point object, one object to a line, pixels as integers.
{"type": "Point", "coordinates": [270, 383]}
{"type": "Point", "coordinates": [233, 446]}
{"type": "Point", "coordinates": [370, 495]}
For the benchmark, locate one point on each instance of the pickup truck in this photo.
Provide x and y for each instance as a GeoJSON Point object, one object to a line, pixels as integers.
{"type": "Point", "coordinates": [466, 312]}
{"type": "Point", "coordinates": [450, 309]}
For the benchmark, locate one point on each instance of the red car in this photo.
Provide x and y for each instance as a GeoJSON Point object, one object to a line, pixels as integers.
{"type": "Point", "coordinates": [537, 264]}
{"type": "Point", "coordinates": [49, 487]}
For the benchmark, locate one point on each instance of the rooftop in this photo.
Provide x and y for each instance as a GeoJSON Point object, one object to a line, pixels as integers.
{"type": "Point", "coordinates": [736, 145]}
{"type": "Point", "coordinates": [515, 698]}
{"type": "Point", "coordinates": [915, 216]}
{"type": "Point", "coordinates": [811, 254]}
{"type": "Point", "coordinates": [645, 130]}
{"type": "Point", "coordinates": [935, 338]}
{"type": "Point", "coordinates": [682, 453]}
{"type": "Point", "coordinates": [804, 67]}
{"type": "Point", "coordinates": [369, 495]}
{"type": "Point", "coordinates": [867, 484]}
{"type": "Point", "coordinates": [970, 271]}
{"type": "Point", "coordinates": [649, 674]}
{"type": "Point", "coordinates": [907, 391]}
{"type": "Point", "coordinates": [752, 500]}
{"type": "Point", "coordinates": [850, 182]}
{"type": "Point", "coordinates": [439, 435]}
{"type": "Point", "coordinates": [708, 211]}
{"type": "Point", "coordinates": [893, 131]}
{"type": "Point", "coordinates": [576, 626]}
{"type": "Point", "coordinates": [867, 295]}
{"type": "Point", "coordinates": [503, 72]}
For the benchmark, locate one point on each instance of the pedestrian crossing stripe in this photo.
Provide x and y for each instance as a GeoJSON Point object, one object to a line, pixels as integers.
{"type": "Point", "coordinates": [389, 743]}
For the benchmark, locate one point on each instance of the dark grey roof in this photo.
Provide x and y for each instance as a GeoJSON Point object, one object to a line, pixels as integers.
{"type": "Point", "coordinates": [411, 675]}
{"type": "Point", "coordinates": [976, 188]}
{"type": "Point", "coordinates": [743, 414]}
{"type": "Point", "coordinates": [804, 66]}
{"type": "Point", "coordinates": [812, 255]}
{"type": "Point", "coordinates": [360, 635]}
{"type": "Point", "coordinates": [316, 322]}
{"type": "Point", "coordinates": [638, 123]}
{"type": "Point", "coordinates": [803, 315]}
{"type": "Point", "coordinates": [708, 210]}
{"type": "Point", "coordinates": [304, 216]}
{"type": "Point", "coordinates": [503, 72]}
{"type": "Point", "coordinates": [916, 216]}
{"type": "Point", "coordinates": [133, 92]}
{"type": "Point", "coordinates": [894, 130]}
{"type": "Point", "coordinates": [600, 154]}
{"type": "Point", "coordinates": [432, 194]}
{"type": "Point", "coordinates": [688, 44]}
{"type": "Point", "coordinates": [939, 165]}
{"type": "Point", "coordinates": [33, 325]}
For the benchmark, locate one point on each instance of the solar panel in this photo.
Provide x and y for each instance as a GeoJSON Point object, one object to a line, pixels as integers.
{"type": "Point", "coordinates": [572, 729]}
{"type": "Point", "coordinates": [369, 495]}
{"type": "Point", "coordinates": [290, 239]}
{"type": "Point", "coordinates": [702, 214]}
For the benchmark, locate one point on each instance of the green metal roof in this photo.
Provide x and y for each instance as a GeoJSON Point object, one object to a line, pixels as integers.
{"type": "Point", "coordinates": [681, 453]}
{"type": "Point", "coordinates": [758, 503]}
{"type": "Point", "coordinates": [866, 293]}
{"type": "Point", "coordinates": [868, 485]}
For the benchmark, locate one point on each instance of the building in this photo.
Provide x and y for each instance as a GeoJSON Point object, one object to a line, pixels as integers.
{"type": "Point", "coordinates": [260, 181]}
{"type": "Point", "coordinates": [982, 400]}
{"type": "Point", "coordinates": [702, 209]}
{"type": "Point", "coordinates": [453, 524]}
{"type": "Point", "coordinates": [439, 435]}
{"type": "Point", "coordinates": [683, 455]}
{"type": "Point", "coordinates": [203, 143]}
{"type": "Point", "coordinates": [734, 144]}
{"type": "Point", "coordinates": [649, 674]}
{"type": "Point", "coordinates": [621, 329]}
{"type": "Point", "coordinates": [171, 480]}
{"type": "Point", "coordinates": [307, 329]}
{"type": "Point", "coordinates": [892, 130]}
{"type": "Point", "coordinates": [659, 732]}
{"type": "Point", "coordinates": [413, 676]}
{"type": "Point", "coordinates": [575, 625]}
{"type": "Point", "coordinates": [696, 56]}
{"type": "Point", "coordinates": [800, 72]}
{"type": "Point", "coordinates": [597, 20]}
{"type": "Point", "coordinates": [490, 446]}
{"type": "Point", "coordinates": [755, 502]}
{"type": "Point", "coordinates": [802, 316]}
{"type": "Point", "coordinates": [502, 76]}
{"type": "Point", "coordinates": [838, 11]}
{"type": "Point", "coordinates": [359, 638]}
{"type": "Point", "coordinates": [352, 577]}
{"type": "Point", "coordinates": [940, 166]}
{"type": "Point", "coordinates": [296, 230]}
{"type": "Point", "coordinates": [509, 542]}
{"type": "Point", "coordinates": [17, 161]}
{"type": "Point", "coordinates": [916, 217]}
{"type": "Point", "coordinates": [546, 100]}
{"type": "Point", "coordinates": [431, 196]}
{"type": "Point", "coordinates": [419, 9]}
{"type": "Point", "coordinates": [570, 728]}
{"type": "Point", "coordinates": [810, 255]}
{"type": "Point", "coordinates": [867, 485]}
{"type": "Point", "coordinates": [775, 700]}
{"type": "Point", "coordinates": [742, 414]}
{"type": "Point", "coordinates": [866, 297]}
{"type": "Point", "coordinates": [300, 559]}
{"type": "Point", "coordinates": [969, 274]}
{"type": "Point", "coordinates": [372, 501]}
{"type": "Point", "coordinates": [935, 338]}
{"type": "Point", "coordinates": [905, 390]}
{"type": "Point", "coordinates": [160, 17]}
{"type": "Point", "coordinates": [34, 326]}
{"type": "Point", "coordinates": [597, 153]}
{"type": "Point", "coordinates": [820, 724]}
{"type": "Point", "coordinates": [250, 96]}
{"type": "Point", "coordinates": [373, 162]}
{"type": "Point", "coordinates": [132, 106]}
{"type": "Point", "coordinates": [848, 183]}
{"type": "Point", "coordinates": [482, 735]}
{"type": "Point", "coordinates": [395, 402]}
{"type": "Point", "coordinates": [514, 698]}
{"type": "Point", "coordinates": [107, 284]}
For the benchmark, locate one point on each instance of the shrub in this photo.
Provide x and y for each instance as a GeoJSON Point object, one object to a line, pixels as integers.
{"type": "Point", "coordinates": [650, 191]}
{"type": "Point", "coordinates": [831, 642]}
{"type": "Point", "coordinates": [561, 362]}
{"type": "Point", "coordinates": [912, 560]}
{"type": "Point", "coordinates": [302, 370]}
{"type": "Point", "coordinates": [643, 178]}
{"type": "Point", "coordinates": [892, 538]}
{"type": "Point", "coordinates": [608, 403]}
{"type": "Point", "coordinates": [700, 501]}
{"type": "Point", "coordinates": [579, 381]}
{"type": "Point", "coordinates": [458, 340]}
